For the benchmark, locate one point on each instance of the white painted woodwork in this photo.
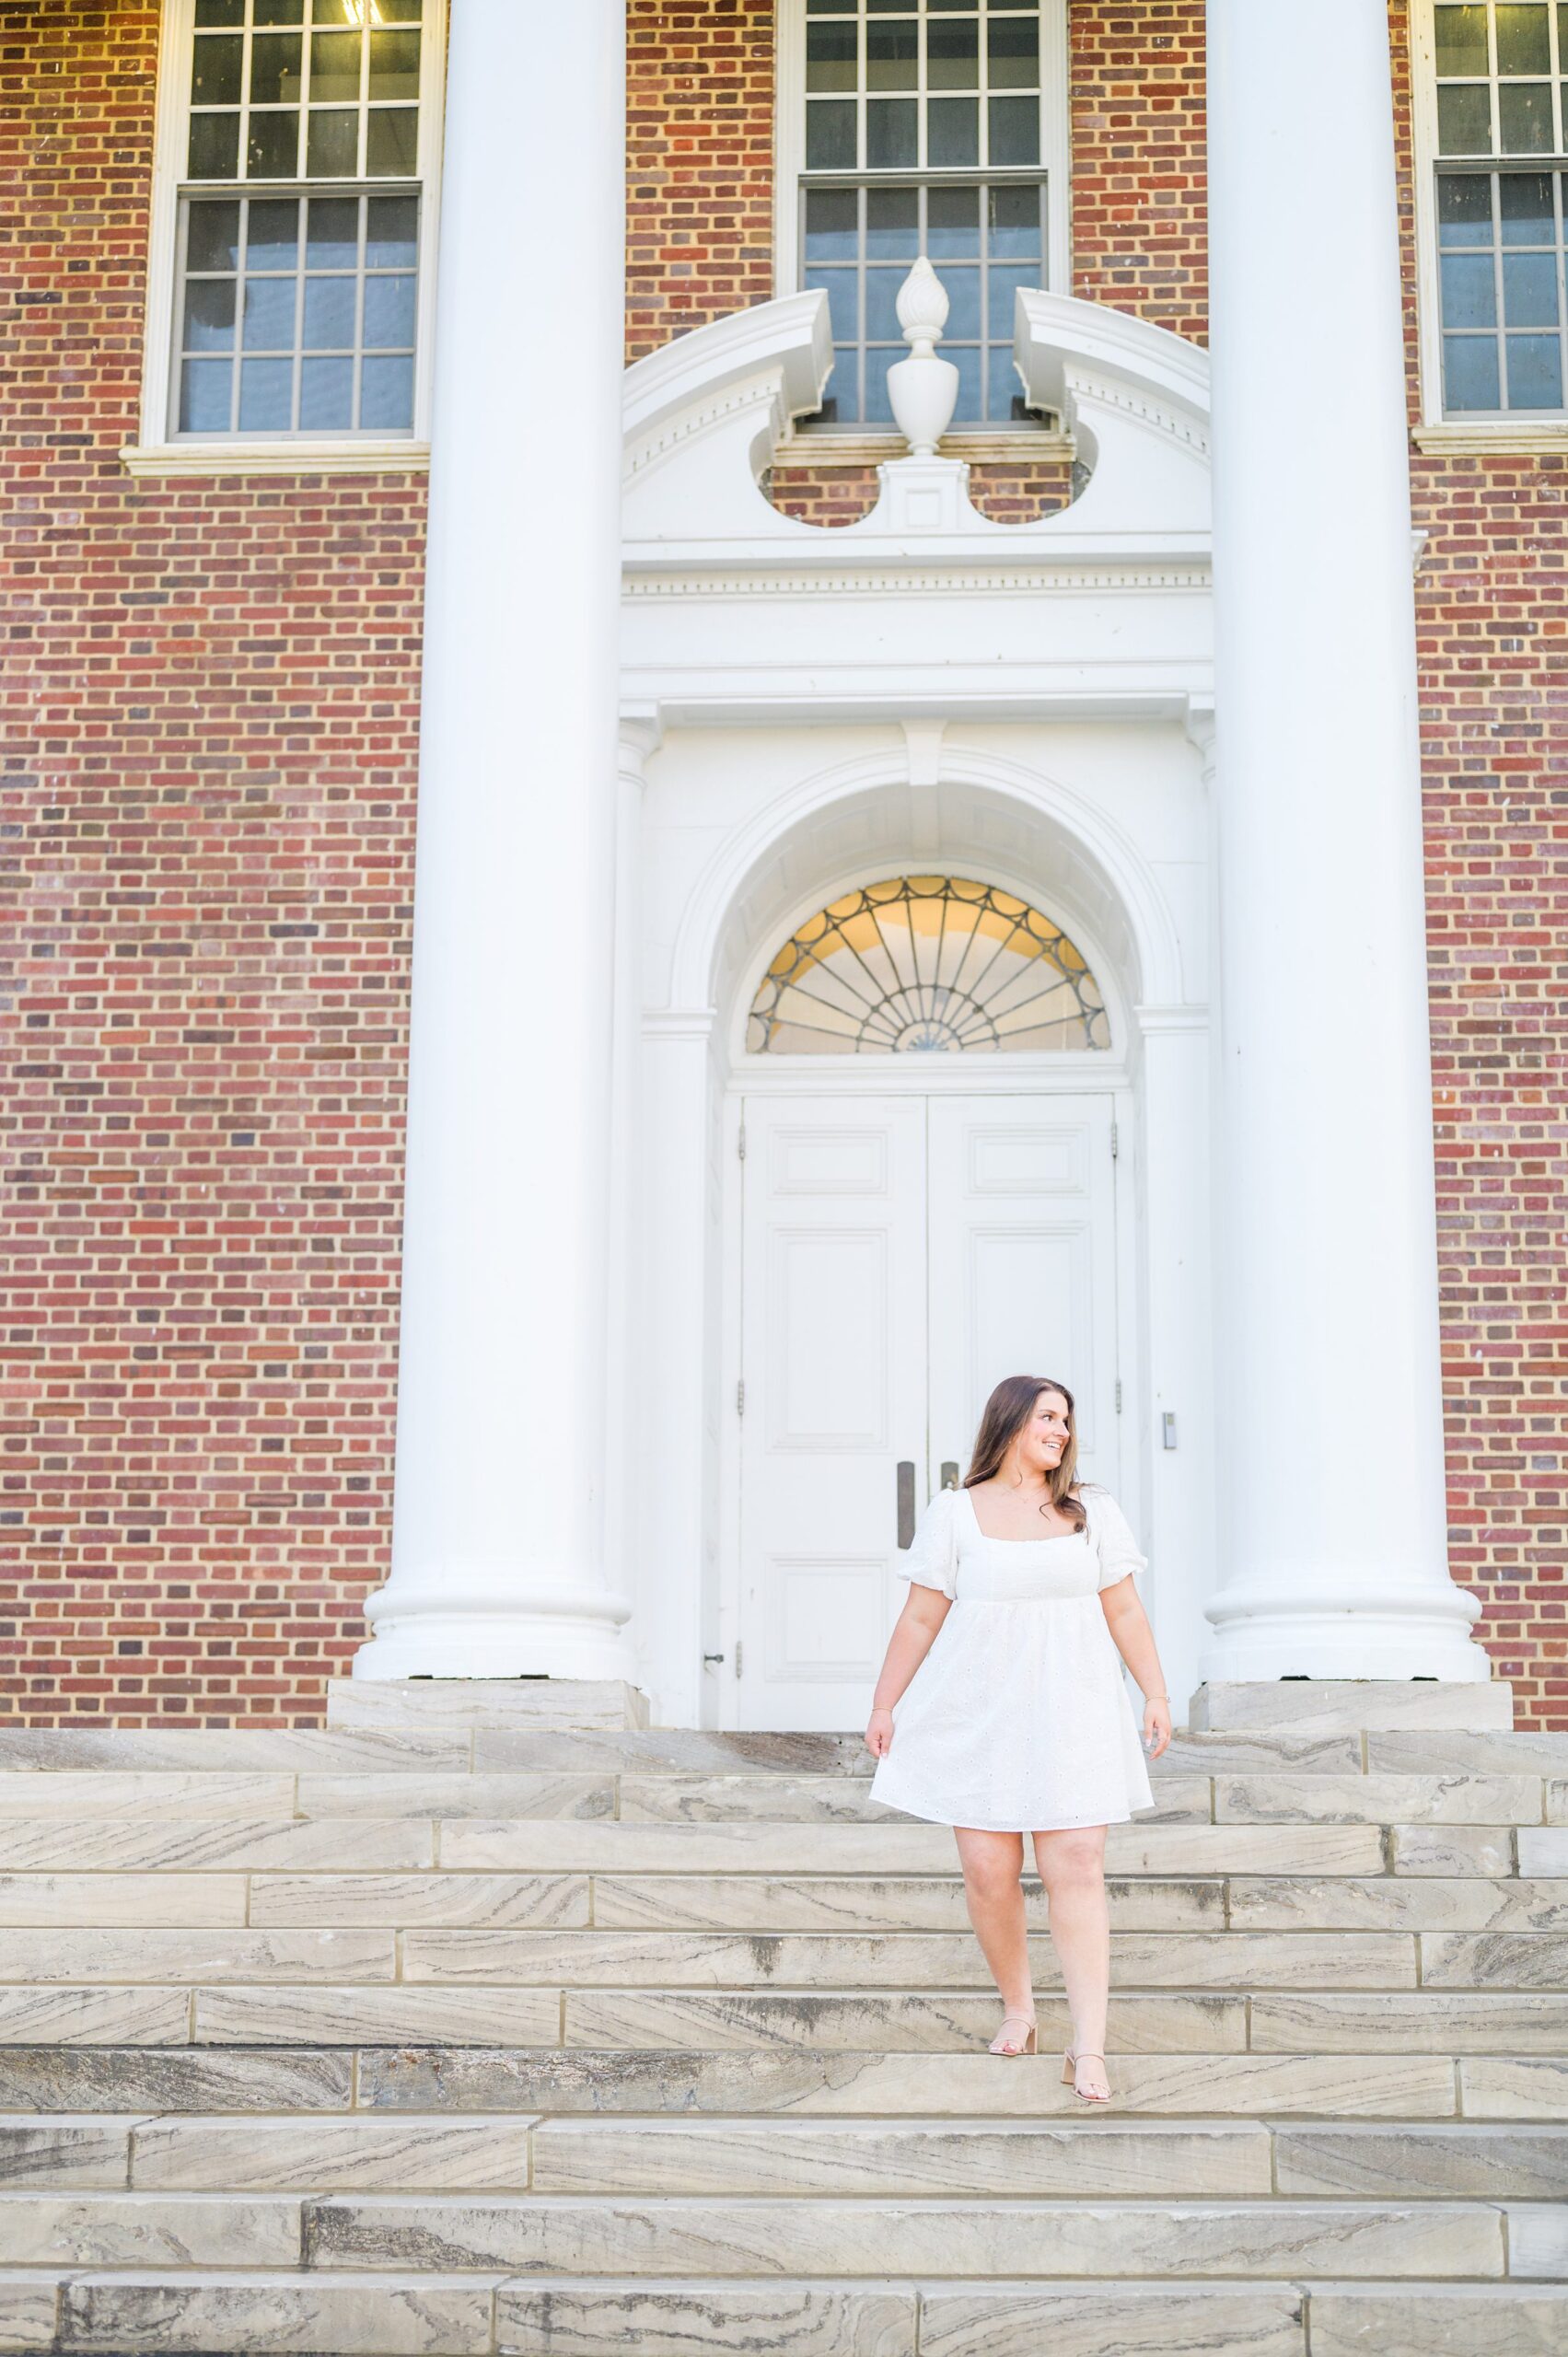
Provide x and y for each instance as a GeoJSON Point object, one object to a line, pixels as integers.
{"type": "Point", "coordinates": [504, 1420]}
{"type": "Point", "coordinates": [1330, 1442]}
{"type": "Point", "coordinates": [834, 1349]}
{"type": "Point", "coordinates": [1023, 1264]}
{"type": "Point", "coordinates": [901, 1253]}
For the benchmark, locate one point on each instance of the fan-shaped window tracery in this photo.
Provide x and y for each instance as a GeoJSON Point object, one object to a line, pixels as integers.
{"type": "Point", "coordinates": [926, 964]}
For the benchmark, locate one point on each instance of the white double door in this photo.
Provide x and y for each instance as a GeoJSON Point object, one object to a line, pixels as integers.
{"type": "Point", "coordinates": [900, 1255]}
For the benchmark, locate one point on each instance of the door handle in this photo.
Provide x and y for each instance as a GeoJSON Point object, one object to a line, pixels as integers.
{"type": "Point", "coordinates": [949, 1473]}
{"type": "Point", "coordinates": [906, 1501]}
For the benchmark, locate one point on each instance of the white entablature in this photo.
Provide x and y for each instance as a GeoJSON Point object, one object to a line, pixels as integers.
{"type": "Point", "coordinates": [731, 605]}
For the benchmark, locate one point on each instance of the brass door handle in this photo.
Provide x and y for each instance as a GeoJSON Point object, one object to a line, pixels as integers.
{"type": "Point", "coordinates": [949, 1473]}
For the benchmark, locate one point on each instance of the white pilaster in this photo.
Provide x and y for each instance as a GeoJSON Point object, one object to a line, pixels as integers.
{"type": "Point", "coordinates": [1330, 1446]}
{"type": "Point", "coordinates": [505, 1423]}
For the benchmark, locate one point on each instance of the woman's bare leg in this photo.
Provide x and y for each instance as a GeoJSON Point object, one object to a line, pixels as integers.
{"type": "Point", "coordinates": [993, 1892]}
{"type": "Point", "coordinates": [1071, 1867]}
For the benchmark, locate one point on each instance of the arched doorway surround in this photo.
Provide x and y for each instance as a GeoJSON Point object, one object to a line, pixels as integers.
{"type": "Point", "coordinates": [1011, 825]}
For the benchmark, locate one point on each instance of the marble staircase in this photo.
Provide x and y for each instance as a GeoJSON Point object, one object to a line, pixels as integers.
{"type": "Point", "coordinates": [444, 2030]}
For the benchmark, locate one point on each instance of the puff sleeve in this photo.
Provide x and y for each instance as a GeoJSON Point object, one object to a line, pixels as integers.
{"type": "Point", "coordinates": [1112, 1535]}
{"type": "Point", "coordinates": [931, 1559]}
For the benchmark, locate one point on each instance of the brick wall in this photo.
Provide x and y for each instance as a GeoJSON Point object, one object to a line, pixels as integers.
{"type": "Point", "coordinates": [699, 163]}
{"type": "Point", "coordinates": [1492, 614]}
{"type": "Point", "coordinates": [210, 707]}
{"type": "Point", "coordinates": [211, 723]}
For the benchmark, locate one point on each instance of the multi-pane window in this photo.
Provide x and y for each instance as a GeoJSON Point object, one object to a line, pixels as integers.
{"type": "Point", "coordinates": [1501, 196]}
{"type": "Point", "coordinates": [299, 231]}
{"type": "Point", "coordinates": [923, 134]}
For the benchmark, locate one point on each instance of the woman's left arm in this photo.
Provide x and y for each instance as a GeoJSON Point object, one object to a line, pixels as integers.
{"type": "Point", "coordinates": [1129, 1625]}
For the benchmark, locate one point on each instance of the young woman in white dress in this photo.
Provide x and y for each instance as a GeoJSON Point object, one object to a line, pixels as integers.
{"type": "Point", "coordinates": [1001, 1709]}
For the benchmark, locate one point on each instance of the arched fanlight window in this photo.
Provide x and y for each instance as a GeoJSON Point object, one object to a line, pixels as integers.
{"type": "Point", "coordinates": [926, 963]}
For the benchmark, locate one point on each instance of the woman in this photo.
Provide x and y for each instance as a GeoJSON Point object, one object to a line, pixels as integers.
{"type": "Point", "coordinates": [1014, 1717]}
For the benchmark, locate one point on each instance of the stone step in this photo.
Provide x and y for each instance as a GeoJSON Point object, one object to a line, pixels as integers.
{"type": "Point", "coordinates": [1348, 1797]}
{"type": "Point", "coordinates": [114, 2315]}
{"type": "Point", "coordinates": [838, 2083]}
{"type": "Point", "coordinates": [121, 2314]}
{"type": "Point", "coordinates": [565, 2082]}
{"type": "Point", "coordinates": [1340, 1706]}
{"type": "Point", "coordinates": [104, 1791]}
{"type": "Point", "coordinates": [129, 1954]}
{"type": "Point", "coordinates": [900, 1959]}
{"type": "Point", "coordinates": [496, 2016]}
{"type": "Point", "coordinates": [446, 1702]}
{"type": "Point", "coordinates": [826, 1904]}
{"type": "Point", "coordinates": [189, 1845]}
{"type": "Point", "coordinates": [1298, 2022]}
{"type": "Point", "coordinates": [821, 1904]}
{"type": "Point", "coordinates": [673, 2235]}
{"type": "Point", "coordinates": [201, 1750]}
{"type": "Point", "coordinates": [476, 1845]}
{"type": "Point", "coordinates": [1105, 2319]}
{"type": "Point", "coordinates": [392, 2314]}
{"type": "Point", "coordinates": [698, 1755]}
{"type": "Point", "coordinates": [1091, 2159]}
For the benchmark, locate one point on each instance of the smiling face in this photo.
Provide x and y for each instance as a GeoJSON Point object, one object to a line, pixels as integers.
{"type": "Point", "coordinates": [1043, 1438]}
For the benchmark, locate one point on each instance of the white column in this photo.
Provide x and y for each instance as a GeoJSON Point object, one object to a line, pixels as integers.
{"type": "Point", "coordinates": [505, 1423]}
{"type": "Point", "coordinates": [1331, 1471]}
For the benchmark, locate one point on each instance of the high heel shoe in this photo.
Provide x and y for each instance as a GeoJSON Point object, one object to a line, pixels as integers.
{"type": "Point", "coordinates": [1070, 2061]}
{"type": "Point", "coordinates": [1030, 2046]}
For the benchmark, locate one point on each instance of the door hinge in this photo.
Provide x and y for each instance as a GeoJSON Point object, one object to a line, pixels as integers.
{"type": "Point", "coordinates": [1115, 1140]}
{"type": "Point", "coordinates": [738, 1653]}
{"type": "Point", "coordinates": [741, 1396]}
{"type": "Point", "coordinates": [741, 1143]}
{"type": "Point", "coordinates": [1118, 1395]}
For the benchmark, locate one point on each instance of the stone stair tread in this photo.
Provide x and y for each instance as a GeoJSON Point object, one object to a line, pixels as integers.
{"type": "Point", "coordinates": [931, 2238]}
{"type": "Point", "coordinates": [849, 2086]}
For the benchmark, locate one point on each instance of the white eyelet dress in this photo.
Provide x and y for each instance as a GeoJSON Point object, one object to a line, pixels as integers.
{"type": "Point", "coordinates": [1017, 1721]}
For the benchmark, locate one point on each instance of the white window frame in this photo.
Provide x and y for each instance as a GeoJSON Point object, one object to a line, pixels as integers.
{"type": "Point", "coordinates": [1524, 429]}
{"type": "Point", "coordinates": [158, 450]}
{"type": "Point", "coordinates": [789, 156]}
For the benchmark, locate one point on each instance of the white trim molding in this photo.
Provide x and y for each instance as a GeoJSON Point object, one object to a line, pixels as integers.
{"type": "Point", "coordinates": [297, 457]}
{"type": "Point", "coordinates": [157, 451]}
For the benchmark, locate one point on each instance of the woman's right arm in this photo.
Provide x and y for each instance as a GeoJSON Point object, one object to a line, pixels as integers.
{"type": "Point", "coordinates": [914, 1632]}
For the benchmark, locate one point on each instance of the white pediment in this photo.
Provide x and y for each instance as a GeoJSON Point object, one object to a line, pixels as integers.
{"type": "Point", "coordinates": [704, 417]}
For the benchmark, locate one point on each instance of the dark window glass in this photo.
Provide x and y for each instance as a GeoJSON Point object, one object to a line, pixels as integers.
{"type": "Point", "coordinates": [832, 224]}
{"type": "Point", "coordinates": [392, 143]}
{"type": "Point", "coordinates": [276, 69]}
{"type": "Point", "coordinates": [212, 238]}
{"type": "Point", "coordinates": [952, 132]}
{"type": "Point", "coordinates": [215, 147]}
{"type": "Point", "coordinates": [332, 144]}
{"type": "Point", "coordinates": [217, 71]}
{"type": "Point", "coordinates": [272, 146]}
{"type": "Point", "coordinates": [830, 135]}
{"type": "Point", "coordinates": [1014, 131]}
{"type": "Point", "coordinates": [392, 233]}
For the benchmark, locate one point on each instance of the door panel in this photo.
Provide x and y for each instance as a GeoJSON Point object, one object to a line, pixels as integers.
{"type": "Point", "coordinates": [1023, 1262]}
{"type": "Point", "coordinates": [900, 1255]}
{"type": "Point", "coordinates": [834, 1353]}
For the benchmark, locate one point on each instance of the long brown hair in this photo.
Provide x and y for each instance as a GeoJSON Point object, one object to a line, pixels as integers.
{"type": "Point", "coordinates": [1007, 1411]}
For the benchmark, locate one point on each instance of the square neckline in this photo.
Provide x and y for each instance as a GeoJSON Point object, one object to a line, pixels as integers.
{"type": "Point", "coordinates": [1051, 1539]}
